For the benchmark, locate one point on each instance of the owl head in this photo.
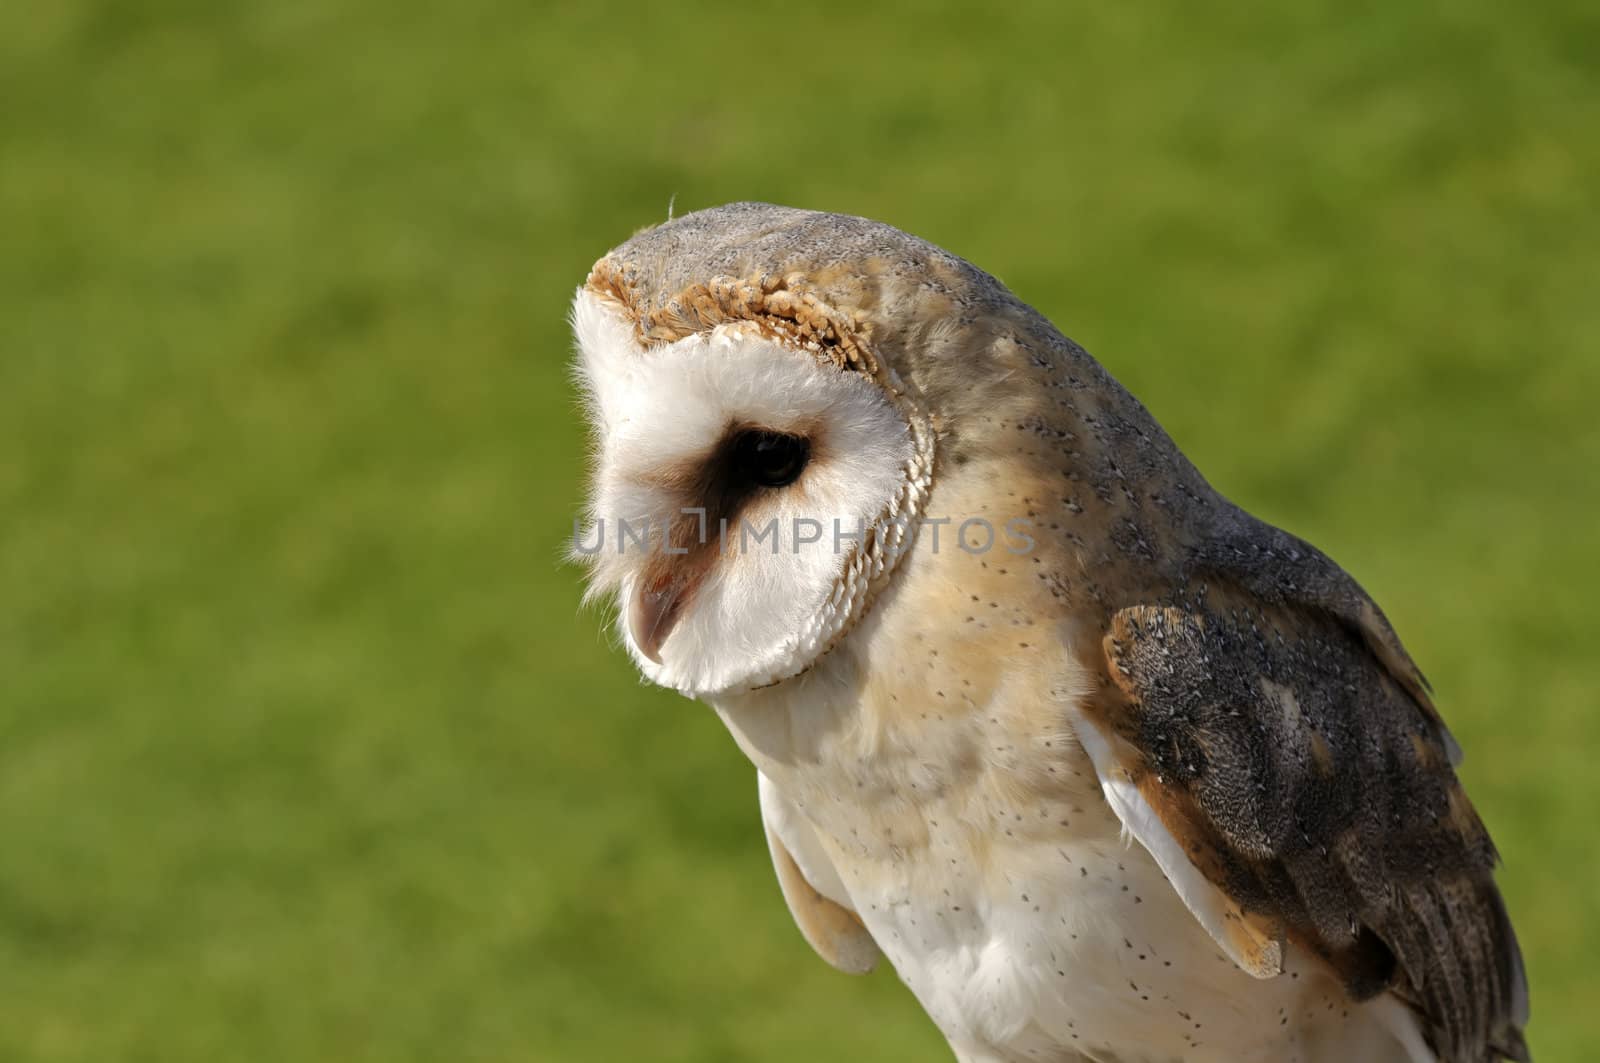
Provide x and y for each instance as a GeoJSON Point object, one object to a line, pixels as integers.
{"type": "Point", "coordinates": [775, 396]}
{"type": "Point", "coordinates": [757, 467]}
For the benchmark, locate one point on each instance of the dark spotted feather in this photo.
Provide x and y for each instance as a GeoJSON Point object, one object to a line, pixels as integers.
{"type": "Point", "coordinates": [1286, 740]}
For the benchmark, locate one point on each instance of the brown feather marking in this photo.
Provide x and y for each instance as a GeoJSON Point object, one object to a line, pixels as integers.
{"type": "Point", "coordinates": [1307, 781]}
{"type": "Point", "coordinates": [836, 933]}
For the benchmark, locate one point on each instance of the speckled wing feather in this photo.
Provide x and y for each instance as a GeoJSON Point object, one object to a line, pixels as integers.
{"type": "Point", "coordinates": [812, 889]}
{"type": "Point", "coordinates": [1268, 715]}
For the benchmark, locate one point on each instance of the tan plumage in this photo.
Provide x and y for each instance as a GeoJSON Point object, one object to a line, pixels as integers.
{"type": "Point", "coordinates": [954, 743]}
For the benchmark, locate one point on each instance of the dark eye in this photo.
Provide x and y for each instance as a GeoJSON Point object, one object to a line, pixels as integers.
{"type": "Point", "coordinates": [771, 459]}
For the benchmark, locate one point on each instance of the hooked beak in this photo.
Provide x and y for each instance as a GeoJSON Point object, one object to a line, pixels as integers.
{"type": "Point", "coordinates": [656, 608]}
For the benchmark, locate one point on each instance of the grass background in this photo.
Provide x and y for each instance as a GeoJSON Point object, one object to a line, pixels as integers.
{"type": "Point", "coordinates": [305, 750]}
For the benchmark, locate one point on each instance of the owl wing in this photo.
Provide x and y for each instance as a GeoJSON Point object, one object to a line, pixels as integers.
{"type": "Point", "coordinates": [1263, 734]}
{"type": "Point", "coordinates": [815, 895]}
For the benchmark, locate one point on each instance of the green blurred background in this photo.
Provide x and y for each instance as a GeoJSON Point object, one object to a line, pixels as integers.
{"type": "Point", "coordinates": [306, 749]}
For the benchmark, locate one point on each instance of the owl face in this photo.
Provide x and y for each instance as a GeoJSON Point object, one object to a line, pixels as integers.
{"type": "Point", "coordinates": [747, 496]}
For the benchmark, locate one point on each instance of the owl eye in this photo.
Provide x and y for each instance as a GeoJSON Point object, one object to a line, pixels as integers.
{"type": "Point", "coordinates": [771, 459]}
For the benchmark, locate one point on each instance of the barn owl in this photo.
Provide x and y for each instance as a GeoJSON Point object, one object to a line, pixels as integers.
{"type": "Point", "coordinates": [1107, 768]}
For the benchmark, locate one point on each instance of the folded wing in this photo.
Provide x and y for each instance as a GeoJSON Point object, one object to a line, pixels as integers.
{"type": "Point", "coordinates": [1261, 731]}
{"type": "Point", "coordinates": [811, 886]}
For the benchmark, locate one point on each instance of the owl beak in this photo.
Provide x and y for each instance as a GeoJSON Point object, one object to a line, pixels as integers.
{"type": "Point", "coordinates": [655, 612]}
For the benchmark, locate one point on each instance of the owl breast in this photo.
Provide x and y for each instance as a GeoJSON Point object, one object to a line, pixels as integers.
{"type": "Point", "coordinates": [969, 830]}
